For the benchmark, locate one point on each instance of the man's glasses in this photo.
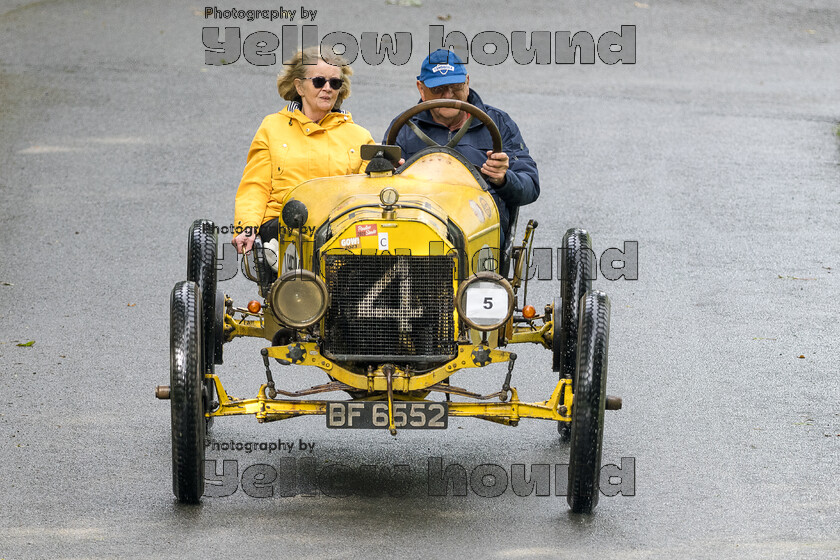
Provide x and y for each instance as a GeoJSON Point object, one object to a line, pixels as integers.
{"type": "Point", "coordinates": [454, 88]}
{"type": "Point", "coordinates": [320, 81]}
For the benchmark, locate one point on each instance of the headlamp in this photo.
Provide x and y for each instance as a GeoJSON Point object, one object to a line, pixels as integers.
{"type": "Point", "coordinates": [299, 298]}
{"type": "Point", "coordinates": [485, 301]}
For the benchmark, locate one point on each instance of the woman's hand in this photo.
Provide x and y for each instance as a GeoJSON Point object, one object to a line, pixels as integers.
{"type": "Point", "coordinates": [244, 241]}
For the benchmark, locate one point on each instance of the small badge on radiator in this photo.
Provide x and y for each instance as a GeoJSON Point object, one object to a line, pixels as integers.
{"type": "Point", "coordinates": [349, 242]}
{"type": "Point", "coordinates": [363, 230]}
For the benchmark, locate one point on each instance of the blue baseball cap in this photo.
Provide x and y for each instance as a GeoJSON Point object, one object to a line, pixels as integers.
{"type": "Point", "coordinates": [442, 67]}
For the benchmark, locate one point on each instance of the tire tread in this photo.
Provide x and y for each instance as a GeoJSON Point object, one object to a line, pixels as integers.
{"type": "Point", "coordinates": [186, 397]}
{"type": "Point", "coordinates": [588, 409]}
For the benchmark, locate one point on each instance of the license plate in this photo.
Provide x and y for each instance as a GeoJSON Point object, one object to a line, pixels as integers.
{"type": "Point", "coordinates": [374, 414]}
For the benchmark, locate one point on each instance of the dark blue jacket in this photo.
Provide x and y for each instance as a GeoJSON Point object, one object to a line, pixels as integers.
{"type": "Point", "coordinates": [522, 182]}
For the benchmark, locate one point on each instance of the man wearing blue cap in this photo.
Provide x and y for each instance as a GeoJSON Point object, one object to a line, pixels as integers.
{"type": "Point", "coordinates": [511, 174]}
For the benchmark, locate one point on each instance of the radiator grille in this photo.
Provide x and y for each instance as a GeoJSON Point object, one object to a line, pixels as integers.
{"type": "Point", "coordinates": [390, 306]}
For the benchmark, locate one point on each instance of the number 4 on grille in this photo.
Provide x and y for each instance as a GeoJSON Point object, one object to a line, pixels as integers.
{"type": "Point", "coordinates": [368, 307]}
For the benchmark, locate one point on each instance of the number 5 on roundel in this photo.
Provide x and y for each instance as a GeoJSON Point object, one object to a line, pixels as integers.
{"type": "Point", "coordinates": [485, 303]}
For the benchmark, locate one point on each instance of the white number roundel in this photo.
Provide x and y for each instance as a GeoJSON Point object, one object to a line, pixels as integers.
{"type": "Point", "coordinates": [486, 303]}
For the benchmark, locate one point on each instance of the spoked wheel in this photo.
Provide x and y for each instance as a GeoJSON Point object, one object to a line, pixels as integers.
{"type": "Point", "coordinates": [588, 407]}
{"type": "Point", "coordinates": [577, 267]}
{"type": "Point", "coordinates": [186, 377]}
{"type": "Point", "coordinates": [201, 269]}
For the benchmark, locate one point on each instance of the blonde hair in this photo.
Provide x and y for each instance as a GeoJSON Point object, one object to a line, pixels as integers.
{"type": "Point", "coordinates": [296, 69]}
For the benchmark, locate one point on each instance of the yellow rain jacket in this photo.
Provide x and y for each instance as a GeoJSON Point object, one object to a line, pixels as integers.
{"type": "Point", "coordinates": [289, 149]}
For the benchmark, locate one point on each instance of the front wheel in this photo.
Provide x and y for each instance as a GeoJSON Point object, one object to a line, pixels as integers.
{"type": "Point", "coordinates": [588, 404]}
{"type": "Point", "coordinates": [201, 269]}
{"type": "Point", "coordinates": [187, 392]}
{"type": "Point", "coordinates": [577, 268]}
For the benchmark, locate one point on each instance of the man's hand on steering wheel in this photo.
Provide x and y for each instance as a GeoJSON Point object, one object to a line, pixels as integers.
{"type": "Point", "coordinates": [496, 167]}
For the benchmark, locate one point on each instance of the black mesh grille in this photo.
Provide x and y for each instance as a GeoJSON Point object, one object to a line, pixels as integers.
{"type": "Point", "coordinates": [390, 306]}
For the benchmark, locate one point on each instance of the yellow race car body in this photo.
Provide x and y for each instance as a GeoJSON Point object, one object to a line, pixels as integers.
{"type": "Point", "coordinates": [390, 283]}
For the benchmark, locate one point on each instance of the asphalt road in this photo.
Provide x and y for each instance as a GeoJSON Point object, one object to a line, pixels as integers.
{"type": "Point", "coordinates": [718, 152]}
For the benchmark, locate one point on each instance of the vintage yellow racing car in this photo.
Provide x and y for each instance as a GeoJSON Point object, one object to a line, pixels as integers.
{"type": "Point", "coordinates": [391, 282]}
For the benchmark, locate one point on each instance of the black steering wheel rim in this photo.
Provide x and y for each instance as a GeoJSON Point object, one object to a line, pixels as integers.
{"type": "Point", "coordinates": [469, 108]}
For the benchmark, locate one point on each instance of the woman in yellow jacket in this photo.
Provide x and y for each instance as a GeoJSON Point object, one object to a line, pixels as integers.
{"type": "Point", "coordinates": [310, 138]}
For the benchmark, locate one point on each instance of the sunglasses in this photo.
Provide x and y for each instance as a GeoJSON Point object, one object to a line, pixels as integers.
{"type": "Point", "coordinates": [320, 81]}
{"type": "Point", "coordinates": [454, 88]}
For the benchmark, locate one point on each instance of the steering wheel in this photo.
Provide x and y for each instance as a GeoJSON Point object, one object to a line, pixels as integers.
{"type": "Point", "coordinates": [474, 111]}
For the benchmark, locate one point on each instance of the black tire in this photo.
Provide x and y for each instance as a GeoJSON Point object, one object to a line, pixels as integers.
{"type": "Point", "coordinates": [201, 269]}
{"type": "Point", "coordinates": [187, 392]}
{"type": "Point", "coordinates": [577, 268]}
{"type": "Point", "coordinates": [588, 408]}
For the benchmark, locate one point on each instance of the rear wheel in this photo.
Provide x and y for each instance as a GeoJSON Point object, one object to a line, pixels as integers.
{"type": "Point", "coordinates": [201, 269]}
{"type": "Point", "coordinates": [587, 428]}
{"type": "Point", "coordinates": [187, 392]}
{"type": "Point", "coordinates": [577, 267]}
